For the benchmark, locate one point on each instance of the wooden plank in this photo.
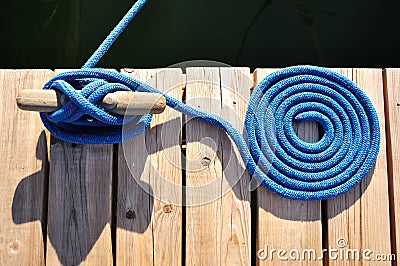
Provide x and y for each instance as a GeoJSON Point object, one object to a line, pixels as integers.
{"type": "Point", "coordinates": [134, 241]}
{"type": "Point", "coordinates": [149, 212]}
{"type": "Point", "coordinates": [236, 212]}
{"type": "Point", "coordinates": [79, 209]}
{"type": "Point", "coordinates": [361, 216]}
{"type": "Point", "coordinates": [284, 223]}
{"type": "Point", "coordinates": [392, 102]}
{"type": "Point", "coordinates": [166, 174]}
{"type": "Point", "coordinates": [218, 212]}
{"type": "Point", "coordinates": [24, 166]}
{"type": "Point", "coordinates": [203, 170]}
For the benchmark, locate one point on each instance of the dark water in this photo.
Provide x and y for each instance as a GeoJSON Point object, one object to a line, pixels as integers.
{"type": "Point", "coordinates": [255, 33]}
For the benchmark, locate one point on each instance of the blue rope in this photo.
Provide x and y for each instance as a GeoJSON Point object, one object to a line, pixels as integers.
{"type": "Point", "coordinates": [271, 151]}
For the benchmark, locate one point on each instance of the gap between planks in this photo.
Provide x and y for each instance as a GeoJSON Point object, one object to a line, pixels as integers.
{"type": "Point", "coordinates": [391, 78]}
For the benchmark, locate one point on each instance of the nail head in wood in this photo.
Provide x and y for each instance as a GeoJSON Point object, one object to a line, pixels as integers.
{"type": "Point", "coordinates": [167, 208]}
{"type": "Point", "coordinates": [130, 215]}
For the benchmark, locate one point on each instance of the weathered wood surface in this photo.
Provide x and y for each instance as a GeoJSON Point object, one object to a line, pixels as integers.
{"type": "Point", "coordinates": [203, 171]}
{"type": "Point", "coordinates": [79, 214]}
{"type": "Point", "coordinates": [359, 219]}
{"type": "Point", "coordinates": [236, 212]}
{"type": "Point", "coordinates": [284, 223]}
{"type": "Point", "coordinates": [63, 214]}
{"type": "Point", "coordinates": [218, 217]}
{"type": "Point", "coordinates": [149, 212]}
{"type": "Point", "coordinates": [134, 238]}
{"type": "Point", "coordinates": [392, 102]}
{"type": "Point", "coordinates": [79, 204]}
{"type": "Point", "coordinates": [23, 160]}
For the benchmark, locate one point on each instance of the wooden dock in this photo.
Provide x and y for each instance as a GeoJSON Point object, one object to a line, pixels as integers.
{"type": "Point", "coordinates": [178, 194]}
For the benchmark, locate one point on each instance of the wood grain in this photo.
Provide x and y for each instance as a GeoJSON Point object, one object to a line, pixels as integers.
{"type": "Point", "coordinates": [218, 219]}
{"type": "Point", "coordinates": [361, 216]}
{"type": "Point", "coordinates": [236, 212]}
{"type": "Point", "coordinates": [149, 212]}
{"type": "Point", "coordinates": [23, 160]}
{"type": "Point", "coordinates": [203, 170]}
{"type": "Point", "coordinates": [79, 209]}
{"type": "Point", "coordinates": [284, 223]}
{"type": "Point", "coordinates": [166, 174]}
{"type": "Point", "coordinates": [392, 102]}
{"type": "Point", "coordinates": [134, 201]}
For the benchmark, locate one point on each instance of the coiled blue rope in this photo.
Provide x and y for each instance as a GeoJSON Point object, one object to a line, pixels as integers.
{"type": "Point", "coordinates": [271, 151]}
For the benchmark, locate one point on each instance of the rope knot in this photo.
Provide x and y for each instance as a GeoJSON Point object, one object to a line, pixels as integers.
{"type": "Point", "coordinates": [84, 107]}
{"type": "Point", "coordinates": [83, 119]}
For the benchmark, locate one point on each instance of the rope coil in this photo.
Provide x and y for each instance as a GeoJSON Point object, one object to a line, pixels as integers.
{"type": "Point", "coordinates": [281, 162]}
{"type": "Point", "coordinates": [311, 171]}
